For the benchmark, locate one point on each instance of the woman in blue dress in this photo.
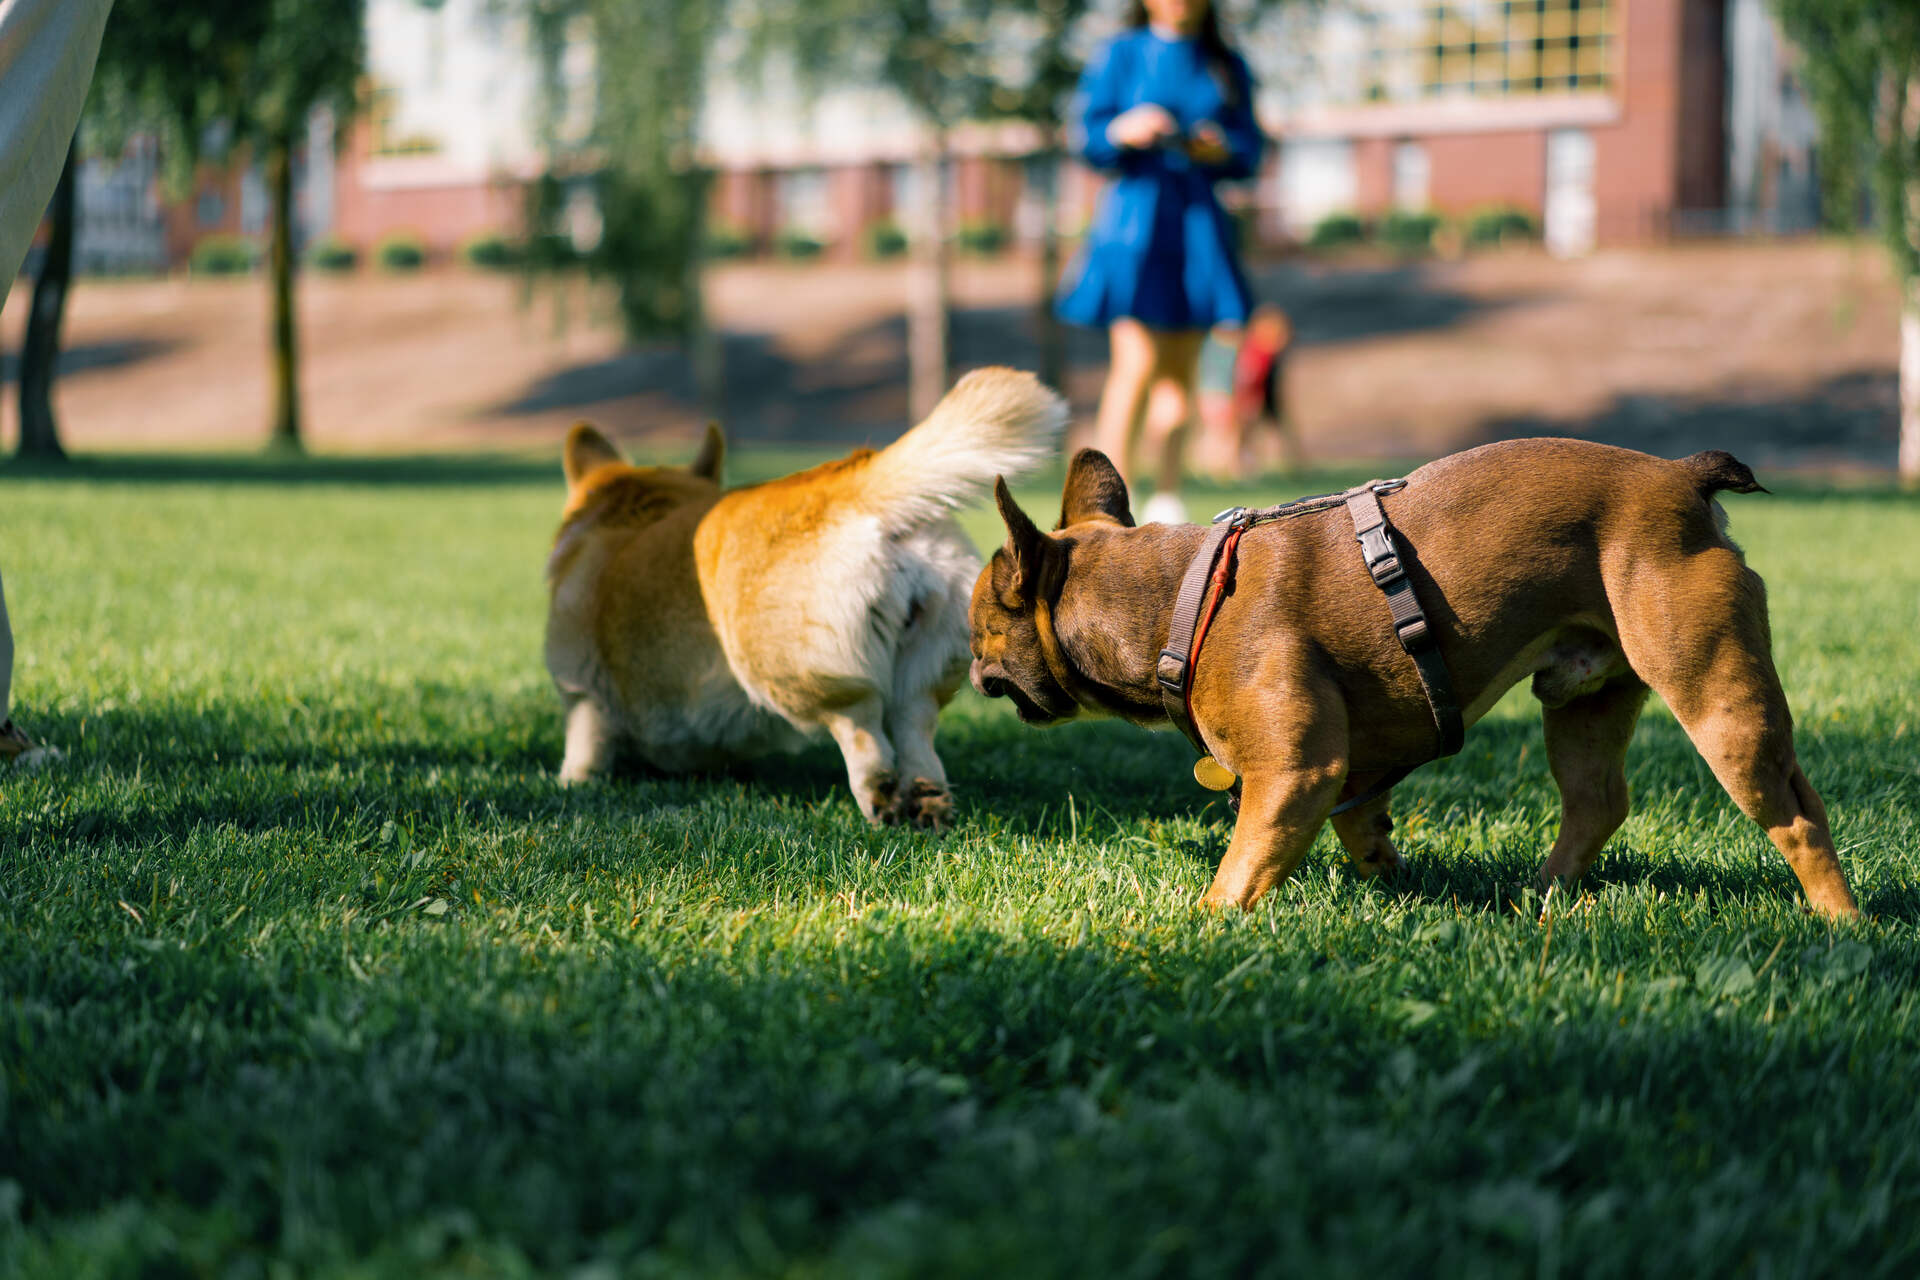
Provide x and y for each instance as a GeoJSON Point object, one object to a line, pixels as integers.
{"type": "Point", "coordinates": [1167, 109]}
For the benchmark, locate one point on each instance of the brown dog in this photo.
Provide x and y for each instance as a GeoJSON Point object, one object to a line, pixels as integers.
{"type": "Point", "coordinates": [1600, 572]}
{"type": "Point", "coordinates": [696, 628]}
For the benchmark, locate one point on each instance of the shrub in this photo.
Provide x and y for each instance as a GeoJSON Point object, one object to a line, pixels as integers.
{"type": "Point", "coordinates": [332, 254]}
{"type": "Point", "coordinates": [492, 251]}
{"type": "Point", "coordinates": [1409, 232]}
{"type": "Point", "coordinates": [1337, 230]}
{"type": "Point", "coordinates": [885, 239]}
{"type": "Point", "coordinates": [797, 244]}
{"type": "Point", "coordinates": [401, 251]}
{"type": "Point", "coordinates": [728, 240]}
{"type": "Point", "coordinates": [551, 251]}
{"type": "Point", "coordinates": [983, 237]}
{"type": "Point", "coordinates": [223, 255]}
{"type": "Point", "coordinates": [1501, 224]}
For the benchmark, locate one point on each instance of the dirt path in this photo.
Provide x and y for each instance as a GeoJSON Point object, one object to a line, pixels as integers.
{"type": "Point", "coordinates": [1783, 352]}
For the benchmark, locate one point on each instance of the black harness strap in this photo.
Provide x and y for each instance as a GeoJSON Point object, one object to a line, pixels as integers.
{"type": "Point", "coordinates": [1381, 552]}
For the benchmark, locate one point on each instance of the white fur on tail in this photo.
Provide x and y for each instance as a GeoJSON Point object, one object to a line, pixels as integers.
{"type": "Point", "coordinates": [994, 422]}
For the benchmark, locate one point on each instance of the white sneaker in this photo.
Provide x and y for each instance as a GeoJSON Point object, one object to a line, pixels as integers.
{"type": "Point", "coordinates": [1164, 508]}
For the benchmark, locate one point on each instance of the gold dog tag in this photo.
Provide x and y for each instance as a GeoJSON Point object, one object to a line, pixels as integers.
{"type": "Point", "coordinates": [1213, 775]}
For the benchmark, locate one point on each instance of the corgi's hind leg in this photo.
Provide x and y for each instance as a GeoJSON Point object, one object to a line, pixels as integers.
{"type": "Point", "coordinates": [925, 800]}
{"type": "Point", "coordinates": [859, 729]}
{"type": "Point", "coordinates": [590, 741]}
{"type": "Point", "coordinates": [929, 666]}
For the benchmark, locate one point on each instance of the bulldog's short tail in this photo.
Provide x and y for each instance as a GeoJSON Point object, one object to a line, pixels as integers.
{"type": "Point", "coordinates": [994, 422]}
{"type": "Point", "coordinates": [1716, 469]}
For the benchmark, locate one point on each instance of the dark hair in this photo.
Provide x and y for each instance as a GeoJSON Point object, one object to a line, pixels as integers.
{"type": "Point", "coordinates": [1213, 47]}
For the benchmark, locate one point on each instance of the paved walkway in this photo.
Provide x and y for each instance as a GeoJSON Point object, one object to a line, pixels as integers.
{"type": "Point", "coordinates": [1782, 352]}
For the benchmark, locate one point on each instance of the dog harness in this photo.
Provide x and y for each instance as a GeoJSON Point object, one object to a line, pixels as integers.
{"type": "Point", "coordinates": [1210, 576]}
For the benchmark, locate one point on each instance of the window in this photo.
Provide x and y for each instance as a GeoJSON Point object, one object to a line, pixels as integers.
{"type": "Point", "coordinates": [1316, 179]}
{"type": "Point", "coordinates": [804, 202]}
{"type": "Point", "coordinates": [383, 115]}
{"type": "Point", "coordinates": [1416, 49]}
{"type": "Point", "coordinates": [1410, 175]}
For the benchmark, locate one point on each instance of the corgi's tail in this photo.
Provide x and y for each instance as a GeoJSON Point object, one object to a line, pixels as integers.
{"type": "Point", "coordinates": [995, 422]}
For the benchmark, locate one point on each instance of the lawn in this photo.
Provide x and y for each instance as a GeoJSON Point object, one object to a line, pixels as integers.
{"type": "Point", "coordinates": [308, 968]}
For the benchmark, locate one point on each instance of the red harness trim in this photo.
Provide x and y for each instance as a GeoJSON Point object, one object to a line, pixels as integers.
{"type": "Point", "coordinates": [1216, 591]}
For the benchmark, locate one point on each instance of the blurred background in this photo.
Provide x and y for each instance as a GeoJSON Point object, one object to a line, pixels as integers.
{"type": "Point", "coordinates": [425, 225]}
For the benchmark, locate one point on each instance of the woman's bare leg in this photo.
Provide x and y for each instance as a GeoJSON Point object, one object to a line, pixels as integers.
{"type": "Point", "coordinates": [1170, 405]}
{"type": "Point", "coordinates": [1130, 367]}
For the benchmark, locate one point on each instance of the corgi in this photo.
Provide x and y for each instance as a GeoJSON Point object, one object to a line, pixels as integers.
{"type": "Point", "coordinates": [696, 627]}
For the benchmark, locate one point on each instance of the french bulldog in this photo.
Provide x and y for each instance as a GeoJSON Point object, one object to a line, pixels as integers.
{"type": "Point", "coordinates": [1598, 572]}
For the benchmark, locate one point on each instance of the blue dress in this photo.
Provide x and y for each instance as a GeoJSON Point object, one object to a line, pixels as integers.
{"type": "Point", "coordinates": [1161, 249]}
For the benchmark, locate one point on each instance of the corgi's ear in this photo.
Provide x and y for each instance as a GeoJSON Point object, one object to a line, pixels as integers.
{"type": "Point", "coordinates": [713, 455]}
{"type": "Point", "coordinates": [587, 451]}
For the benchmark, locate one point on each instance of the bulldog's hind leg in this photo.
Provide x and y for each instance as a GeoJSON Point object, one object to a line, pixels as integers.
{"type": "Point", "coordinates": [1587, 750]}
{"type": "Point", "coordinates": [1365, 831]}
{"type": "Point", "coordinates": [1701, 641]}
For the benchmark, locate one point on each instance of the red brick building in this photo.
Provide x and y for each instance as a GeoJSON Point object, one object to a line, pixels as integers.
{"type": "Point", "coordinates": [1605, 119]}
{"type": "Point", "coordinates": [1609, 121]}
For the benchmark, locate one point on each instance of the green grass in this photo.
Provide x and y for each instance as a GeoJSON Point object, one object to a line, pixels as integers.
{"type": "Point", "coordinates": [307, 967]}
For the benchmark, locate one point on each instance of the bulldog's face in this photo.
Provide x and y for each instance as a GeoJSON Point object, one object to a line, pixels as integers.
{"type": "Point", "coordinates": [1009, 619]}
{"type": "Point", "coordinates": [1008, 661]}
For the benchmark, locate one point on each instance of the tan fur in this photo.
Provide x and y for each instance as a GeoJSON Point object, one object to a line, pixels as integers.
{"type": "Point", "coordinates": [698, 628]}
{"type": "Point", "coordinates": [1598, 572]}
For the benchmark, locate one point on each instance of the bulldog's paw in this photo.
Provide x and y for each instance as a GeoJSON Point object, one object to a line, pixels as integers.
{"type": "Point", "coordinates": [1382, 862]}
{"type": "Point", "coordinates": [929, 804]}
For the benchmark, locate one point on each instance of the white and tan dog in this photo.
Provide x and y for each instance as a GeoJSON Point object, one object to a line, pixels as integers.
{"type": "Point", "coordinates": [698, 628]}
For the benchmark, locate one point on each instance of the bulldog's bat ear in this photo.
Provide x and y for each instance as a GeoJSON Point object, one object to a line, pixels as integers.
{"type": "Point", "coordinates": [1094, 491]}
{"type": "Point", "coordinates": [1025, 543]}
{"type": "Point", "coordinates": [713, 454]}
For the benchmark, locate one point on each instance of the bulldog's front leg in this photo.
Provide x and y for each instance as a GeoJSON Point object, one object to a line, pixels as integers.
{"type": "Point", "coordinates": [1366, 832]}
{"type": "Point", "coordinates": [1289, 744]}
{"type": "Point", "coordinates": [1280, 814]}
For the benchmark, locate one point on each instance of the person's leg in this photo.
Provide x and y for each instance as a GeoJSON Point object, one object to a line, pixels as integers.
{"type": "Point", "coordinates": [1218, 449]}
{"type": "Point", "coordinates": [13, 742]}
{"type": "Point", "coordinates": [6, 659]}
{"type": "Point", "coordinates": [1170, 405]}
{"type": "Point", "coordinates": [1130, 364]}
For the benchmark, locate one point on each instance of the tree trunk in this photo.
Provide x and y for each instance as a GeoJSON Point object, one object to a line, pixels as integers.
{"type": "Point", "coordinates": [704, 341]}
{"type": "Point", "coordinates": [40, 353]}
{"type": "Point", "coordinates": [286, 355]}
{"type": "Point", "coordinates": [929, 287]}
{"type": "Point", "coordinates": [1053, 356]}
{"type": "Point", "coordinates": [1910, 387]}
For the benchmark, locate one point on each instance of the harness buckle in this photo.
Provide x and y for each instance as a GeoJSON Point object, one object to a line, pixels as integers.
{"type": "Point", "coordinates": [1413, 633]}
{"type": "Point", "coordinates": [1231, 515]}
{"type": "Point", "coordinates": [1171, 672]}
{"type": "Point", "coordinates": [1383, 561]}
